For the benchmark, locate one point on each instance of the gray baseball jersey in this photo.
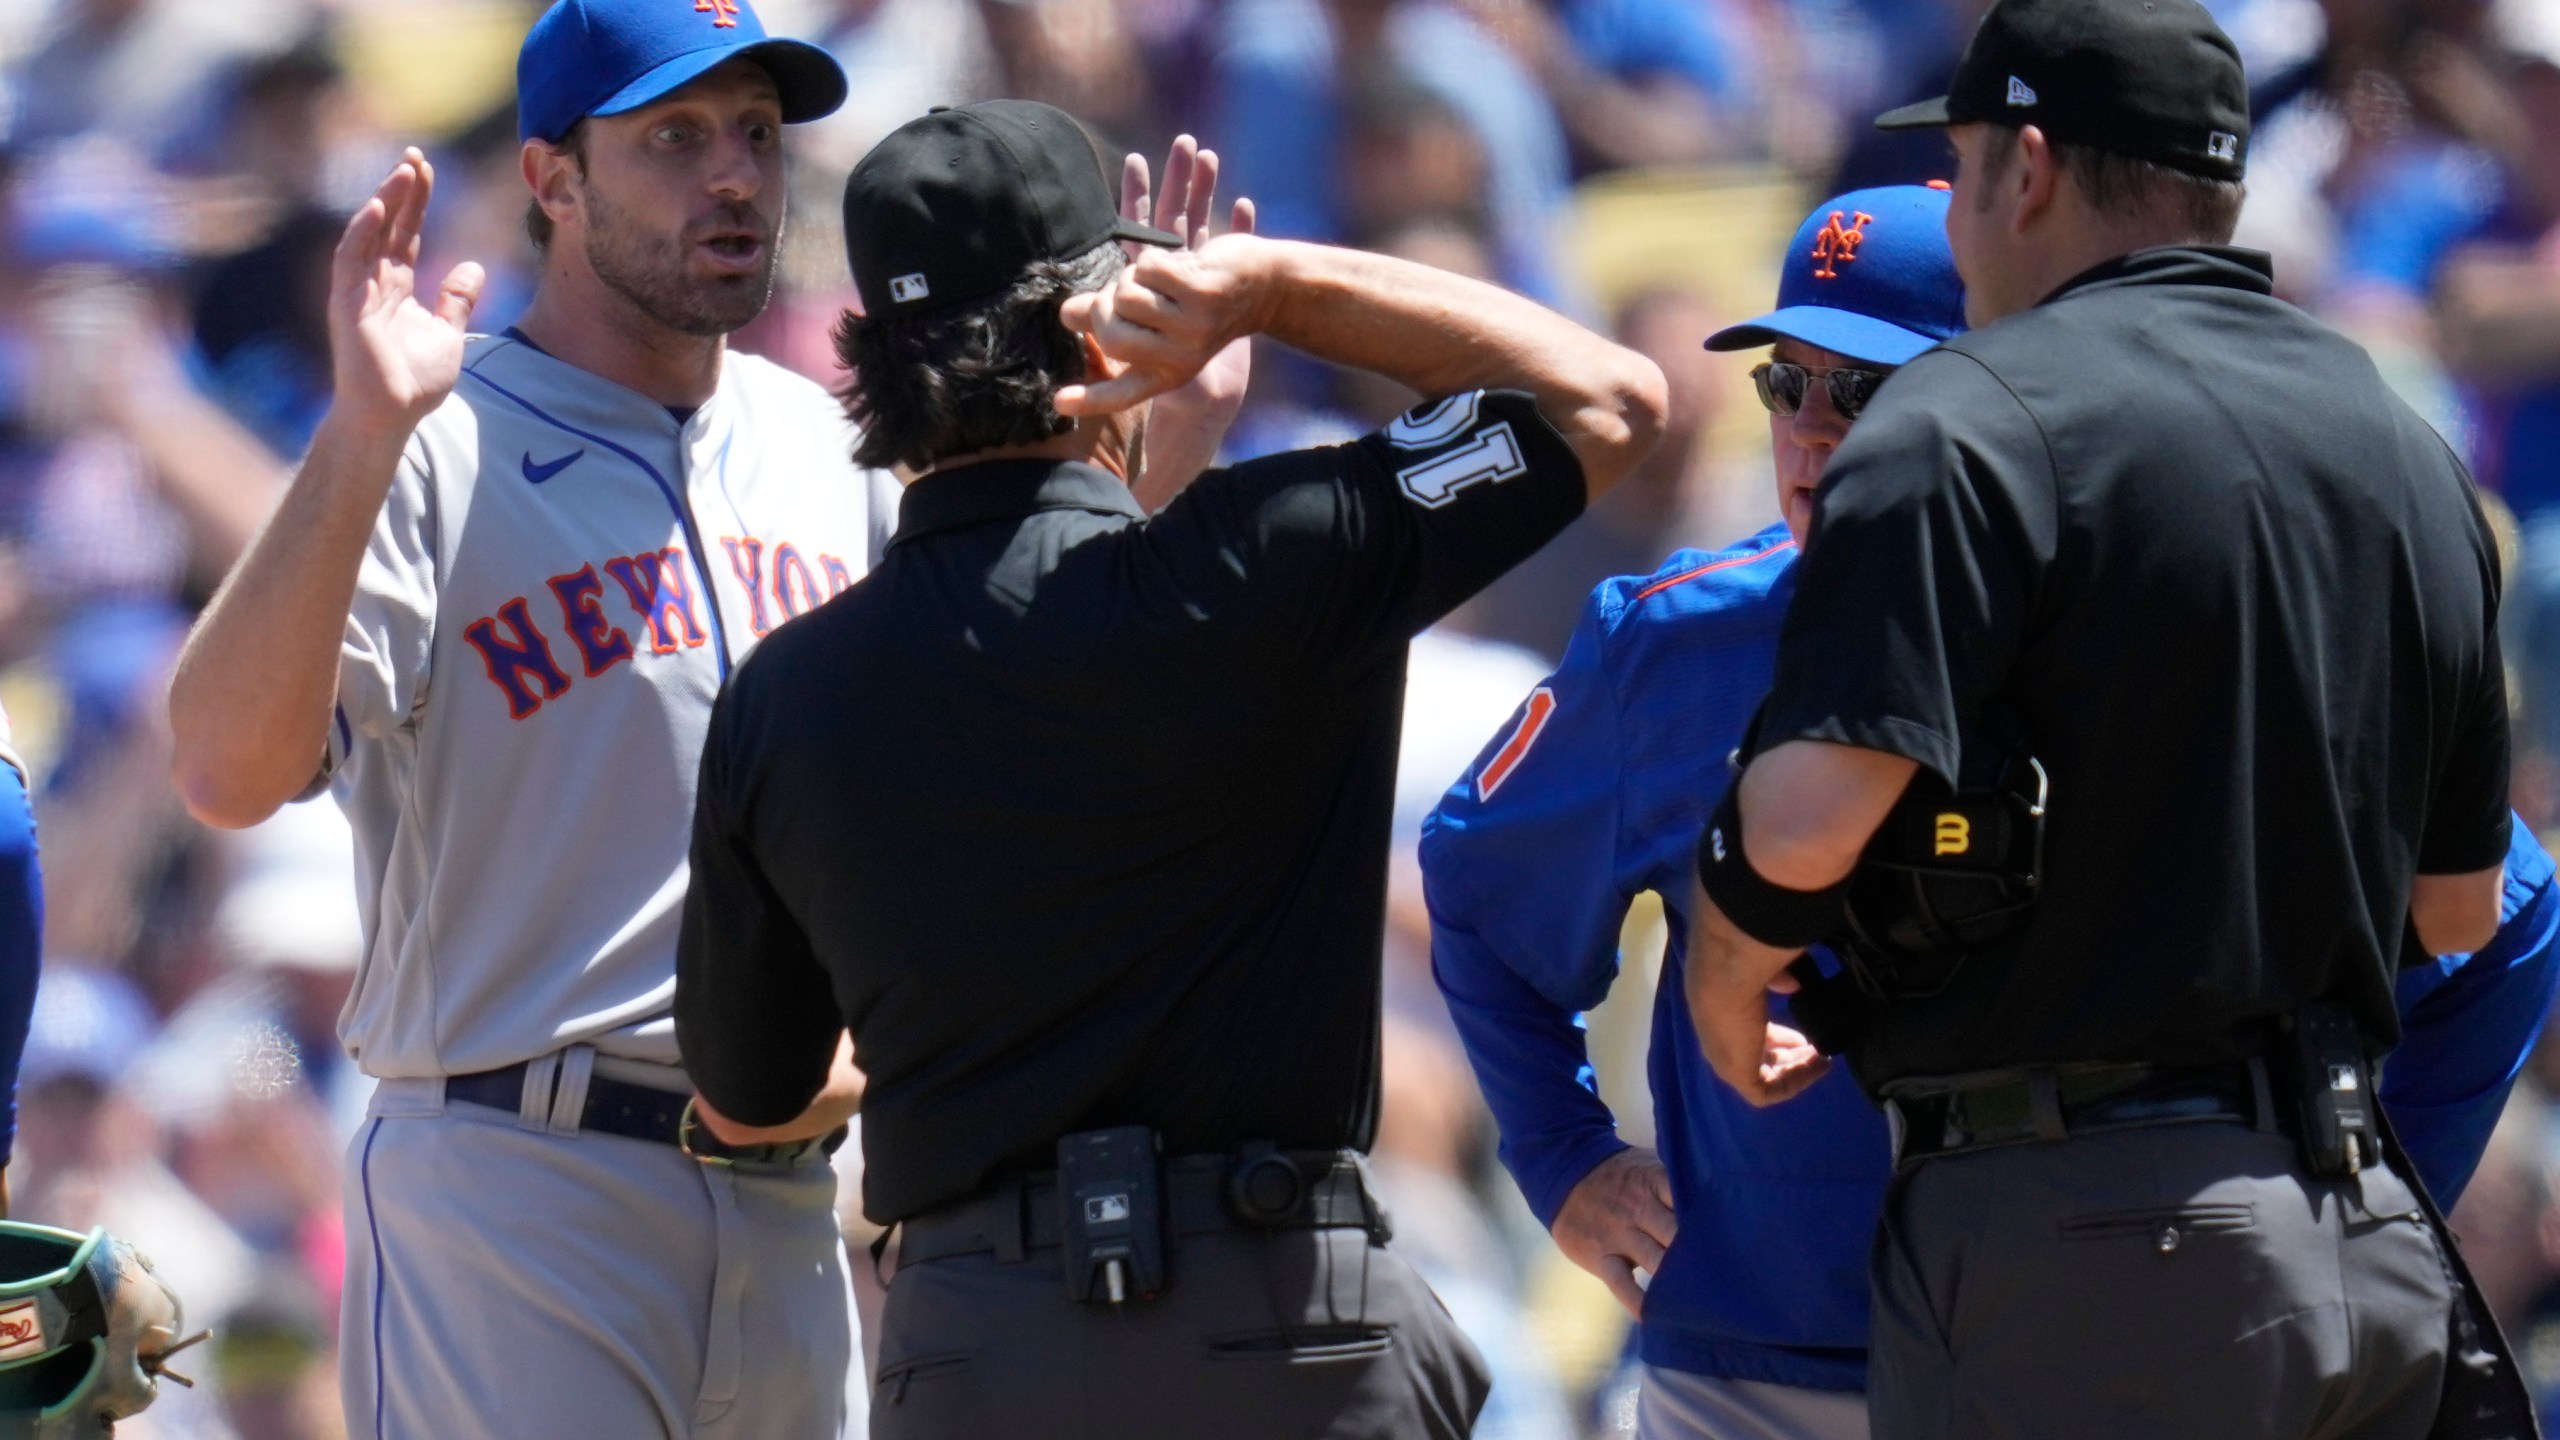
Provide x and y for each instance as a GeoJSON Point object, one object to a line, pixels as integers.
{"type": "Point", "coordinates": [560, 581]}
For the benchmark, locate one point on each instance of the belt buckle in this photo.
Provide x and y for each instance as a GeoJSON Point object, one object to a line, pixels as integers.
{"type": "Point", "coordinates": [689, 1129]}
{"type": "Point", "coordinates": [695, 1139]}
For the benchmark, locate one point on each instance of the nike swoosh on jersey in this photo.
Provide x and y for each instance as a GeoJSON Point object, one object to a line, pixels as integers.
{"type": "Point", "coordinates": [536, 474]}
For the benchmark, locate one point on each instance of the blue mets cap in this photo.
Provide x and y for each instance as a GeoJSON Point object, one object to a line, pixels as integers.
{"type": "Point", "coordinates": [1870, 275]}
{"type": "Point", "coordinates": [605, 57]}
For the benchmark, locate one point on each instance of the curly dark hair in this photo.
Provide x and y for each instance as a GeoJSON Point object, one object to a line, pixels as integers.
{"type": "Point", "coordinates": [929, 387]}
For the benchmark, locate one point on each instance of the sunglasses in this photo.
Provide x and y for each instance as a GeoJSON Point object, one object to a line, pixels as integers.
{"type": "Point", "coordinates": [1782, 386]}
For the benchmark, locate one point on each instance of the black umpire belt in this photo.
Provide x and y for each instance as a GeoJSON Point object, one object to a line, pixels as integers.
{"type": "Point", "coordinates": [618, 1107]}
{"type": "Point", "coordinates": [1963, 1113]}
{"type": "Point", "coordinates": [1204, 1194]}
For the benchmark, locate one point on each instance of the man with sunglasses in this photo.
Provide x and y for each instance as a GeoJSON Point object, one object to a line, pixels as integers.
{"type": "Point", "coordinates": [1755, 1224]}
{"type": "Point", "coordinates": [2178, 544]}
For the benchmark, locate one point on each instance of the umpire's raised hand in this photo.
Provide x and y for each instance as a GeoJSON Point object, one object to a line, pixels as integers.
{"type": "Point", "coordinates": [1435, 333]}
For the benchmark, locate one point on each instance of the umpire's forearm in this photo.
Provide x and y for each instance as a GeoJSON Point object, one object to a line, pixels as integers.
{"type": "Point", "coordinates": [250, 702]}
{"type": "Point", "coordinates": [1439, 334]}
{"type": "Point", "coordinates": [837, 1103]}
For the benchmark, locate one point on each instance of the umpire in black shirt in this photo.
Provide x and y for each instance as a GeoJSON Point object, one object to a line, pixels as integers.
{"type": "Point", "coordinates": [2180, 546]}
{"type": "Point", "coordinates": [1078, 819]}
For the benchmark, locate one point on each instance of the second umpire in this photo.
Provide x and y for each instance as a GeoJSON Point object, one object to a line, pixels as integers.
{"type": "Point", "coordinates": [2158, 538]}
{"type": "Point", "coordinates": [1078, 819]}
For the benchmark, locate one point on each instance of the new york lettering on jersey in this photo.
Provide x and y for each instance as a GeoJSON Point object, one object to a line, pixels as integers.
{"type": "Point", "coordinates": [586, 614]}
{"type": "Point", "coordinates": [562, 580]}
{"type": "Point", "coordinates": [663, 606]}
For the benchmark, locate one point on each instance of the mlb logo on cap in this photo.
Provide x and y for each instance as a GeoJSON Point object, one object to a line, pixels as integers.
{"type": "Point", "coordinates": [977, 192]}
{"type": "Point", "coordinates": [2157, 81]}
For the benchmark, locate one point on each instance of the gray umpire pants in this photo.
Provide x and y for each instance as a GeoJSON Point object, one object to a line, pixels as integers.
{"type": "Point", "coordinates": [2172, 1281]}
{"type": "Point", "coordinates": [1260, 1335]}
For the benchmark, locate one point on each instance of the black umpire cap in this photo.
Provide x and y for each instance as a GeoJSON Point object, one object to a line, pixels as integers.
{"type": "Point", "coordinates": [2154, 80]}
{"type": "Point", "coordinates": [952, 207]}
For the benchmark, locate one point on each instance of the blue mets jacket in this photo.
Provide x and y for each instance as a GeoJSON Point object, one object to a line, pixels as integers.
{"type": "Point", "coordinates": [1598, 791]}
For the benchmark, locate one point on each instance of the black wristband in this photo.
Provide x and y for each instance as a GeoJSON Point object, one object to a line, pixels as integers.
{"type": "Point", "coordinates": [1770, 914]}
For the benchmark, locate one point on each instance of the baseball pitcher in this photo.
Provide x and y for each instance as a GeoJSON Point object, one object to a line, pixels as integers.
{"type": "Point", "coordinates": [492, 613]}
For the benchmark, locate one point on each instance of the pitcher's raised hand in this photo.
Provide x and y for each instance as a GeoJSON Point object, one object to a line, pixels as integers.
{"type": "Point", "coordinates": [1188, 201]}
{"type": "Point", "coordinates": [1189, 422]}
{"type": "Point", "coordinates": [395, 359]}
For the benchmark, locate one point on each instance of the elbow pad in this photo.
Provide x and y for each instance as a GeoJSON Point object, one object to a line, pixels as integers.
{"type": "Point", "coordinates": [1769, 913]}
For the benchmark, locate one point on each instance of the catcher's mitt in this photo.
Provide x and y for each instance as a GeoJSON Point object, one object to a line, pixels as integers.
{"type": "Point", "coordinates": [86, 1330]}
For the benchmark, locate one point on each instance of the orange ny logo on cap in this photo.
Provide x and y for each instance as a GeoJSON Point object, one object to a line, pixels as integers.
{"type": "Point", "coordinates": [723, 13]}
{"type": "Point", "coordinates": [1837, 245]}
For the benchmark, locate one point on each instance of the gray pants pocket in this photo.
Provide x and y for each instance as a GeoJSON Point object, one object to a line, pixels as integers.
{"type": "Point", "coordinates": [2163, 1228]}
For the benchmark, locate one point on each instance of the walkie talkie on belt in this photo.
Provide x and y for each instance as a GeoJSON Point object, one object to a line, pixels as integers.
{"type": "Point", "coordinates": [1111, 1215]}
{"type": "Point", "coordinates": [2321, 1059]}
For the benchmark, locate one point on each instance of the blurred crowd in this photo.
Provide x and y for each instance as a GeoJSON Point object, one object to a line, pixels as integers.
{"type": "Point", "coordinates": [173, 175]}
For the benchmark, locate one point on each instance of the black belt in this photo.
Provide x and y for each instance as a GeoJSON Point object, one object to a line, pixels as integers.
{"type": "Point", "coordinates": [2011, 1107]}
{"type": "Point", "coordinates": [1203, 1194]}
{"type": "Point", "coordinates": [618, 1107]}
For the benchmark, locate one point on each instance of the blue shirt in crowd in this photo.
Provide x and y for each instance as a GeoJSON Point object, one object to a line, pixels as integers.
{"type": "Point", "coordinates": [1598, 791]}
{"type": "Point", "coordinates": [1283, 125]}
{"type": "Point", "coordinates": [21, 940]}
{"type": "Point", "coordinates": [1637, 39]}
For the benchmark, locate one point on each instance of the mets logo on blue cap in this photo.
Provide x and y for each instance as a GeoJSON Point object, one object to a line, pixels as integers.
{"type": "Point", "coordinates": [723, 13]}
{"type": "Point", "coordinates": [1836, 244]}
